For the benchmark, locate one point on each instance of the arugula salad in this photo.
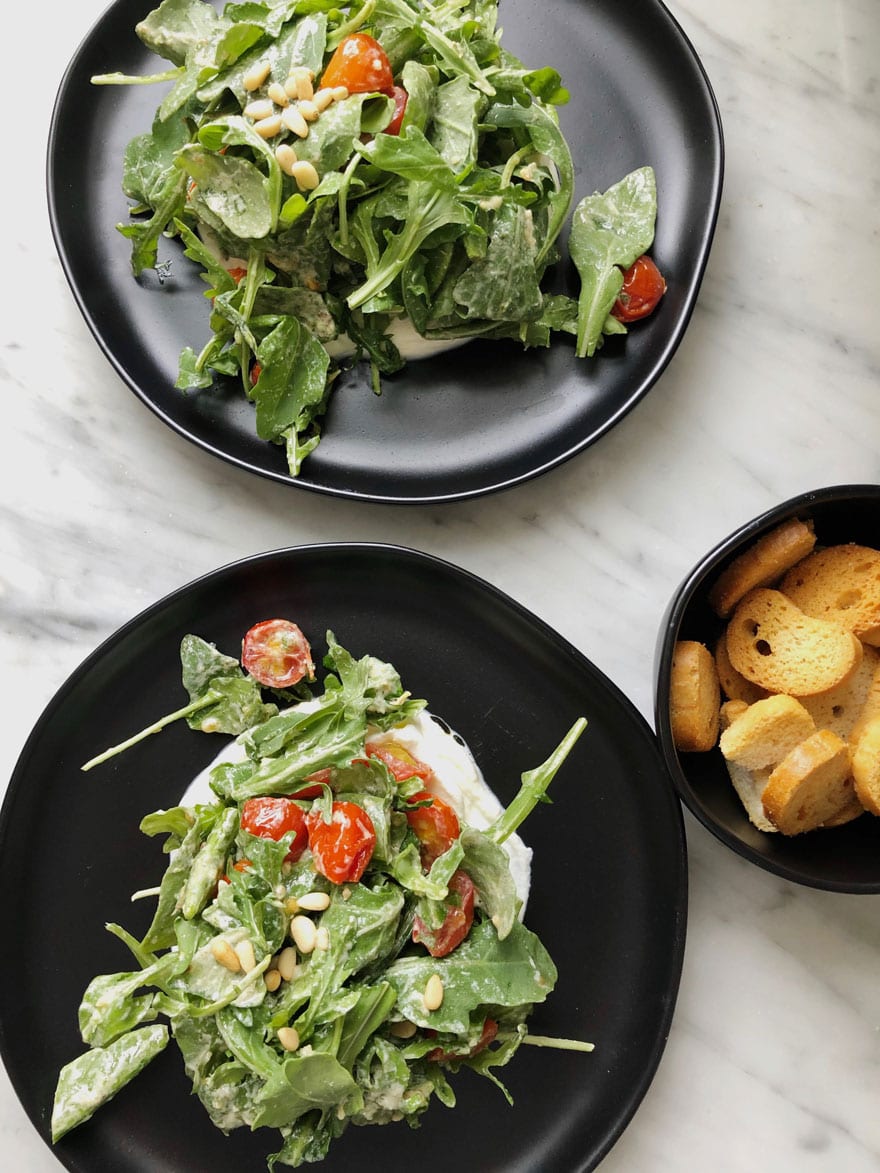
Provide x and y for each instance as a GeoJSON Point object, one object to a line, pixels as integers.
{"type": "Point", "coordinates": [345, 173]}
{"type": "Point", "coordinates": [331, 938]}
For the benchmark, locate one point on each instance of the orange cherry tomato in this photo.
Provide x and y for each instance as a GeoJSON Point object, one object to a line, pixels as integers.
{"type": "Point", "coordinates": [457, 922]}
{"type": "Point", "coordinates": [401, 97]}
{"type": "Point", "coordinates": [272, 818]}
{"type": "Point", "coordinates": [435, 826]}
{"type": "Point", "coordinates": [343, 847]}
{"type": "Point", "coordinates": [256, 371]}
{"type": "Point", "coordinates": [643, 286]}
{"type": "Point", "coordinates": [399, 761]}
{"type": "Point", "coordinates": [276, 653]}
{"type": "Point", "coordinates": [360, 64]}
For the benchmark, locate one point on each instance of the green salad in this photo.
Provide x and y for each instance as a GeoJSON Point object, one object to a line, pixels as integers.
{"type": "Point", "coordinates": [331, 938]}
{"type": "Point", "coordinates": [346, 173]}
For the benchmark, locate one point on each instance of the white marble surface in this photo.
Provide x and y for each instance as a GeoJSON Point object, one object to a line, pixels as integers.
{"type": "Point", "coordinates": [774, 1056]}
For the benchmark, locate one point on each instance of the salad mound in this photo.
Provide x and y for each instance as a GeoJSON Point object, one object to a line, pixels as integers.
{"type": "Point", "coordinates": [342, 173]}
{"type": "Point", "coordinates": [330, 939]}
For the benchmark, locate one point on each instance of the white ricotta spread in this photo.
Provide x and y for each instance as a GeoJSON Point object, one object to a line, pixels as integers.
{"type": "Point", "coordinates": [457, 780]}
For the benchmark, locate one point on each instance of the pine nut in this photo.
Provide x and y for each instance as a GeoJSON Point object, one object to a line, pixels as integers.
{"type": "Point", "coordinates": [288, 1037]}
{"type": "Point", "coordinates": [295, 122]}
{"type": "Point", "coordinates": [225, 954]}
{"type": "Point", "coordinates": [272, 978]}
{"type": "Point", "coordinates": [314, 901]}
{"type": "Point", "coordinates": [323, 99]}
{"type": "Point", "coordinates": [278, 94]}
{"type": "Point", "coordinates": [299, 82]}
{"type": "Point", "coordinates": [308, 109]}
{"type": "Point", "coordinates": [287, 963]}
{"type": "Point", "coordinates": [255, 76]}
{"type": "Point", "coordinates": [433, 995]}
{"type": "Point", "coordinates": [305, 175]}
{"type": "Point", "coordinates": [403, 1030]}
{"type": "Point", "coordinates": [340, 93]}
{"type": "Point", "coordinates": [245, 951]}
{"type": "Point", "coordinates": [302, 930]}
{"type": "Point", "coordinates": [268, 127]}
{"type": "Point", "coordinates": [346, 893]}
{"type": "Point", "coordinates": [286, 156]}
{"type": "Point", "coordinates": [262, 108]}
{"type": "Point", "coordinates": [322, 938]}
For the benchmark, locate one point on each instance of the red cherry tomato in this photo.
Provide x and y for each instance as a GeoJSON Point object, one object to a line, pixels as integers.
{"type": "Point", "coordinates": [276, 653]}
{"type": "Point", "coordinates": [643, 286]}
{"type": "Point", "coordinates": [360, 64]}
{"type": "Point", "coordinates": [272, 818]}
{"type": "Point", "coordinates": [343, 847]}
{"type": "Point", "coordinates": [436, 826]}
{"type": "Point", "coordinates": [490, 1030]}
{"type": "Point", "coordinates": [315, 784]}
{"type": "Point", "coordinates": [399, 761]}
{"type": "Point", "coordinates": [457, 922]}
{"type": "Point", "coordinates": [400, 96]}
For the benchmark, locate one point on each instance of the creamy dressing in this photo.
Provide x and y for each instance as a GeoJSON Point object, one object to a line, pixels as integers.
{"type": "Point", "coordinates": [406, 338]}
{"type": "Point", "coordinates": [458, 781]}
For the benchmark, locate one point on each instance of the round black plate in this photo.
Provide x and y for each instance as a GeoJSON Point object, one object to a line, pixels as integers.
{"type": "Point", "coordinates": [609, 876]}
{"type": "Point", "coordinates": [485, 416]}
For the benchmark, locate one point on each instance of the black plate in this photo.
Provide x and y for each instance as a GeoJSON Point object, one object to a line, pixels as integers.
{"type": "Point", "coordinates": [842, 859]}
{"type": "Point", "coordinates": [609, 875]}
{"type": "Point", "coordinates": [480, 418]}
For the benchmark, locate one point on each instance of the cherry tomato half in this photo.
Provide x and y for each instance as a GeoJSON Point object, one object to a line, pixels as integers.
{"type": "Point", "coordinates": [457, 922]}
{"type": "Point", "coordinates": [343, 847]}
{"type": "Point", "coordinates": [643, 286]}
{"type": "Point", "coordinates": [401, 97]}
{"type": "Point", "coordinates": [488, 1033]}
{"type": "Point", "coordinates": [399, 761]}
{"type": "Point", "coordinates": [436, 826]}
{"type": "Point", "coordinates": [360, 64]}
{"type": "Point", "coordinates": [276, 653]}
{"type": "Point", "coordinates": [271, 818]}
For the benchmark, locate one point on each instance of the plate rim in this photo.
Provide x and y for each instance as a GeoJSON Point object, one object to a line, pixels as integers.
{"type": "Point", "coordinates": [663, 783]}
{"type": "Point", "coordinates": [633, 397]}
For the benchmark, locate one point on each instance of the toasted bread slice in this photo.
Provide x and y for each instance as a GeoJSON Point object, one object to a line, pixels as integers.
{"type": "Point", "coordinates": [871, 707]}
{"type": "Point", "coordinates": [839, 583]}
{"type": "Point", "coordinates": [734, 686]}
{"type": "Point", "coordinates": [749, 786]}
{"type": "Point", "coordinates": [811, 784]}
{"type": "Point", "coordinates": [774, 644]}
{"type": "Point", "coordinates": [694, 697]}
{"type": "Point", "coordinates": [730, 710]}
{"type": "Point", "coordinates": [849, 811]}
{"type": "Point", "coordinates": [762, 564]}
{"type": "Point", "coordinates": [768, 730]}
{"type": "Point", "coordinates": [865, 757]}
{"type": "Point", "coordinates": [840, 708]}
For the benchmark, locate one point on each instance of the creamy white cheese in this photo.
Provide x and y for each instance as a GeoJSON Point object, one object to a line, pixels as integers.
{"type": "Point", "coordinates": [457, 780]}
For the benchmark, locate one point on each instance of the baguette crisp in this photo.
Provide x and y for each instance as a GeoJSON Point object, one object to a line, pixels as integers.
{"type": "Point", "coordinates": [775, 645]}
{"type": "Point", "coordinates": [694, 697]}
{"type": "Point", "coordinates": [811, 785]}
{"type": "Point", "coordinates": [762, 564]}
{"type": "Point", "coordinates": [841, 584]}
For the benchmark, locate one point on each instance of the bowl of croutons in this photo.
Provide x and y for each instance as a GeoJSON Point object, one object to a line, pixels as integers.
{"type": "Point", "coordinates": [767, 689]}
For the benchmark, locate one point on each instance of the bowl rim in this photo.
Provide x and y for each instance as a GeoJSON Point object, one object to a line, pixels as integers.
{"type": "Point", "coordinates": [680, 600]}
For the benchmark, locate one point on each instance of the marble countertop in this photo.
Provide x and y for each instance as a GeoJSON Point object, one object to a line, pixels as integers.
{"type": "Point", "coordinates": [773, 1060]}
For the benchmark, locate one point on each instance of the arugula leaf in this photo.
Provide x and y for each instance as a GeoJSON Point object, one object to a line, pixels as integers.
{"type": "Point", "coordinates": [609, 231]}
{"type": "Point", "coordinates": [96, 1076]}
{"type": "Point", "coordinates": [481, 971]}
